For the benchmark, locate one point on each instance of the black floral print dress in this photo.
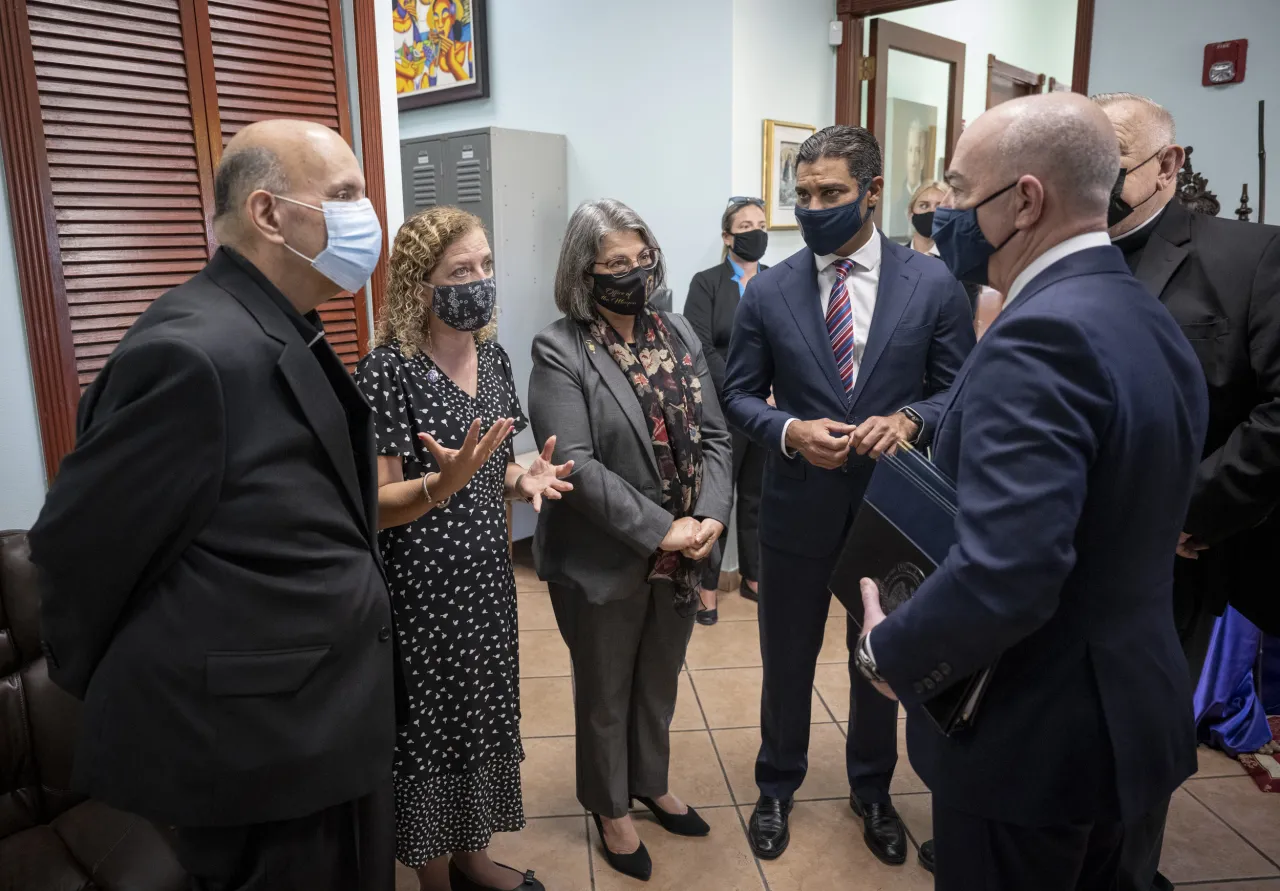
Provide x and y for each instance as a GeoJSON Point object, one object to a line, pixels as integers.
{"type": "Point", "coordinates": [457, 761]}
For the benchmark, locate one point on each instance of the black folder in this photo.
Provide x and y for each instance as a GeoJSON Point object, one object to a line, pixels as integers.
{"type": "Point", "coordinates": [902, 531]}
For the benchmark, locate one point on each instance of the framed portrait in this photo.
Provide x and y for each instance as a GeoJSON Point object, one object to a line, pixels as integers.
{"type": "Point", "coordinates": [911, 160]}
{"type": "Point", "coordinates": [781, 145]}
{"type": "Point", "coordinates": [442, 51]}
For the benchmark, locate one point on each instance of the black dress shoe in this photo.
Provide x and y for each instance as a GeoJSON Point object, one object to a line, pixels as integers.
{"type": "Point", "coordinates": [882, 830]}
{"type": "Point", "coordinates": [745, 590]}
{"type": "Point", "coordinates": [460, 881]}
{"type": "Point", "coordinates": [768, 831]}
{"type": "Point", "coordinates": [636, 864]}
{"type": "Point", "coordinates": [926, 855]}
{"type": "Point", "coordinates": [1160, 883]}
{"type": "Point", "coordinates": [688, 823]}
{"type": "Point", "coordinates": [707, 616]}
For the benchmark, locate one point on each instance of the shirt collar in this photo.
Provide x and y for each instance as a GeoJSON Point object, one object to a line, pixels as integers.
{"type": "Point", "coordinates": [1059, 251]}
{"type": "Point", "coordinates": [309, 326]}
{"type": "Point", "coordinates": [867, 256]}
{"type": "Point", "coordinates": [1118, 241]}
{"type": "Point", "coordinates": [933, 251]}
{"type": "Point", "coordinates": [738, 271]}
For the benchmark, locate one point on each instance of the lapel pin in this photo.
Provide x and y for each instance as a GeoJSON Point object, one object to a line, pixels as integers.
{"type": "Point", "coordinates": [592, 347]}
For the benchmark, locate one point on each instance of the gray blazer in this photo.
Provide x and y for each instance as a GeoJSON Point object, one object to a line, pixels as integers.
{"type": "Point", "coordinates": [599, 538]}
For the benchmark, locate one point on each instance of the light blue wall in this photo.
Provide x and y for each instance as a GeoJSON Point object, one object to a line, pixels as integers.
{"type": "Point", "coordinates": [1158, 50]}
{"type": "Point", "coordinates": [21, 461]}
{"type": "Point", "coordinates": [643, 92]}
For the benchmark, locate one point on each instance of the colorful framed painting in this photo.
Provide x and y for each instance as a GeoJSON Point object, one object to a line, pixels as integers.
{"type": "Point", "coordinates": [781, 145]}
{"type": "Point", "coordinates": [442, 51]}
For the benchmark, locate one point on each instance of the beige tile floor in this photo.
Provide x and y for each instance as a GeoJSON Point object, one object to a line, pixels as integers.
{"type": "Point", "coordinates": [1223, 834]}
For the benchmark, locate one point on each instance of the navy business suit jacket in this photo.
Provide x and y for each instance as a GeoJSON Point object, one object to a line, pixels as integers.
{"type": "Point", "coordinates": [1073, 434]}
{"type": "Point", "coordinates": [921, 332]}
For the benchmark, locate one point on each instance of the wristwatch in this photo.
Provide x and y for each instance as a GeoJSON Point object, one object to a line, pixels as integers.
{"type": "Point", "coordinates": [866, 662]}
{"type": "Point", "coordinates": [914, 417]}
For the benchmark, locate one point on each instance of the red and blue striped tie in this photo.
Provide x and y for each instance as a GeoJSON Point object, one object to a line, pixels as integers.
{"type": "Point", "coordinates": [840, 323]}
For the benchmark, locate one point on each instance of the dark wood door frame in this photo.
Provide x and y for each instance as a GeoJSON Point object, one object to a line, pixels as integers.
{"type": "Point", "coordinates": [998, 69]}
{"type": "Point", "coordinates": [849, 59]}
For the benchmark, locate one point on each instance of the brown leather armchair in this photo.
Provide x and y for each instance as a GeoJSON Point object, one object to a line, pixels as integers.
{"type": "Point", "coordinates": [50, 838]}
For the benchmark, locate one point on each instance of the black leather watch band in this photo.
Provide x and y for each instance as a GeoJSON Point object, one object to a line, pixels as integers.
{"type": "Point", "coordinates": [914, 417]}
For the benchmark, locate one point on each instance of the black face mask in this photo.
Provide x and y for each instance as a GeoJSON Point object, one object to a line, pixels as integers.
{"type": "Point", "coordinates": [750, 245]}
{"type": "Point", "coordinates": [923, 223]}
{"type": "Point", "coordinates": [626, 295]}
{"type": "Point", "coordinates": [1120, 209]}
{"type": "Point", "coordinates": [466, 307]}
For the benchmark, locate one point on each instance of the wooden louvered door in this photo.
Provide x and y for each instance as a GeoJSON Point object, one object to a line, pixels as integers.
{"type": "Point", "coordinates": [282, 60]}
{"type": "Point", "coordinates": [130, 180]}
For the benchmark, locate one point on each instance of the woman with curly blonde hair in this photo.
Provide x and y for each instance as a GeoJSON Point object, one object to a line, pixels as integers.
{"type": "Point", "coordinates": [435, 378]}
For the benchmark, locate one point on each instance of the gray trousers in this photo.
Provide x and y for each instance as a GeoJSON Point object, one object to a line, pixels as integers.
{"type": "Point", "coordinates": [626, 665]}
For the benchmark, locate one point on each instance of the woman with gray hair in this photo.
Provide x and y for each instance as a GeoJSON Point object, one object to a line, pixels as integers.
{"type": "Point", "coordinates": [627, 392]}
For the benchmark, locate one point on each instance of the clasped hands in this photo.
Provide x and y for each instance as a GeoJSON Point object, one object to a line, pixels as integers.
{"type": "Point", "coordinates": [826, 443]}
{"type": "Point", "coordinates": [692, 537]}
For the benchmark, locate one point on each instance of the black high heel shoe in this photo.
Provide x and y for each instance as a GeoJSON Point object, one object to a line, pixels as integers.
{"type": "Point", "coordinates": [636, 864]}
{"type": "Point", "coordinates": [708, 616]}
{"type": "Point", "coordinates": [688, 823]}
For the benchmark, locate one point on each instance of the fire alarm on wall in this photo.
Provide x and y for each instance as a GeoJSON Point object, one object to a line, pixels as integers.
{"type": "Point", "coordinates": [1224, 62]}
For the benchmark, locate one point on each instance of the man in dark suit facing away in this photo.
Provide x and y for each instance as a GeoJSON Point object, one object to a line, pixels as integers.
{"type": "Point", "coordinates": [1072, 434]}
{"type": "Point", "coordinates": [858, 338]}
{"type": "Point", "coordinates": [212, 588]}
{"type": "Point", "coordinates": [1220, 280]}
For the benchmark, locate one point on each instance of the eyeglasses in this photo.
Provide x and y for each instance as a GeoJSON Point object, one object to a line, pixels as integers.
{"type": "Point", "coordinates": [620, 266]}
{"type": "Point", "coordinates": [739, 200]}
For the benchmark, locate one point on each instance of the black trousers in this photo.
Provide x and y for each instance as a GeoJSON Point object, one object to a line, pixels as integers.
{"type": "Point", "coordinates": [977, 854]}
{"type": "Point", "coordinates": [794, 605]}
{"type": "Point", "coordinates": [347, 847]}
{"type": "Point", "coordinates": [748, 477]}
{"type": "Point", "coordinates": [1144, 839]}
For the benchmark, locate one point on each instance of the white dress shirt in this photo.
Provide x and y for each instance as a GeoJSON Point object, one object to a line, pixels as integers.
{"type": "Point", "coordinates": [863, 284]}
{"type": "Point", "coordinates": [1059, 251]}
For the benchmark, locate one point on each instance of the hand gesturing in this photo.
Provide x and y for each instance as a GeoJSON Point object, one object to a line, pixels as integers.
{"type": "Point", "coordinates": [457, 466]}
{"type": "Point", "coordinates": [544, 479]}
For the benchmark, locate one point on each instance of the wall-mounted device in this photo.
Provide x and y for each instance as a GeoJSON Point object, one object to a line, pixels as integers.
{"type": "Point", "coordinates": [835, 33]}
{"type": "Point", "coordinates": [1224, 62]}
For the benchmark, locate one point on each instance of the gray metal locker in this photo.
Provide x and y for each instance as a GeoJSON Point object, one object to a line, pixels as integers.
{"type": "Point", "coordinates": [516, 182]}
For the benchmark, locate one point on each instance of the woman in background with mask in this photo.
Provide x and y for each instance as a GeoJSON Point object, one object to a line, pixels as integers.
{"type": "Point", "coordinates": [442, 390]}
{"type": "Point", "coordinates": [622, 387]}
{"type": "Point", "coordinates": [710, 307]}
{"type": "Point", "coordinates": [924, 201]}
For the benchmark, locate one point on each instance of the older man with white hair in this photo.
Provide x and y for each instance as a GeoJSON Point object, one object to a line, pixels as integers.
{"type": "Point", "coordinates": [1220, 280]}
{"type": "Point", "coordinates": [1072, 433]}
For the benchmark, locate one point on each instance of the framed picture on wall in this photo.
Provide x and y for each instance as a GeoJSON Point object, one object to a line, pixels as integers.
{"type": "Point", "coordinates": [442, 51]}
{"type": "Point", "coordinates": [781, 145]}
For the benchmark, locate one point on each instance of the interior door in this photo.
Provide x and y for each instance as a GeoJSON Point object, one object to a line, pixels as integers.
{"type": "Point", "coordinates": [1005, 81]}
{"type": "Point", "coordinates": [914, 109]}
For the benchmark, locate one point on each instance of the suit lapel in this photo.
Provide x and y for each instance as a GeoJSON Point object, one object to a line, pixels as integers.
{"type": "Point", "coordinates": [622, 391]}
{"type": "Point", "coordinates": [800, 293]}
{"type": "Point", "coordinates": [324, 413]}
{"type": "Point", "coordinates": [897, 286]}
{"type": "Point", "coordinates": [1166, 249]}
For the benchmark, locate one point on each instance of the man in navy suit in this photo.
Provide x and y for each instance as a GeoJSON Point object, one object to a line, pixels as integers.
{"type": "Point", "coordinates": [858, 338]}
{"type": "Point", "coordinates": [1073, 435]}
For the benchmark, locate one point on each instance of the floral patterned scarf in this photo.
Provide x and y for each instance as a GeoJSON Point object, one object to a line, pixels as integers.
{"type": "Point", "coordinates": [660, 370]}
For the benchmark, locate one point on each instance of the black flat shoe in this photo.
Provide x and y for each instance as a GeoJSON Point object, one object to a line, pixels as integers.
{"type": "Point", "coordinates": [688, 823]}
{"type": "Point", "coordinates": [768, 831]}
{"type": "Point", "coordinates": [926, 855]}
{"type": "Point", "coordinates": [460, 881]}
{"type": "Point", "coordinates": [636, 864]}
{"type": "Point", "coordinates": [882, 830]}
{"type": "Point", "coordinates": [708, 616]}
{"type": "Point", "coordinates": [745, 590]}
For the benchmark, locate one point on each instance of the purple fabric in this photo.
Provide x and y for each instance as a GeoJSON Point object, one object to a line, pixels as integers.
{"type": "Point", "coordinates": [1229, 713]}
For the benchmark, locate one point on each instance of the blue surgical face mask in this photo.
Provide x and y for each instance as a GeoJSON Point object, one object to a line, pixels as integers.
{"type": "Point", "coordinates": [960, 242]}
{"type": "Point", "coordinates": [829, 228]}
{"type": "Point", "coordinates": [354, 242]}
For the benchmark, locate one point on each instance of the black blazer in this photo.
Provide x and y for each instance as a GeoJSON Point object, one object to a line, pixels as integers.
{"type": "Point", "coordinates": [211, 582]}
{"type": "Point", "coordinates": [1220, 279]}
{"type": "Point", "coordinates": [710, 308]}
